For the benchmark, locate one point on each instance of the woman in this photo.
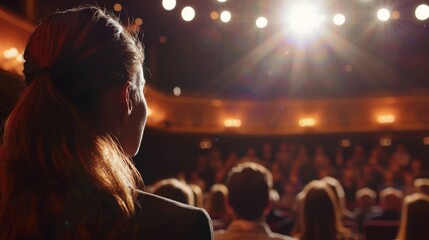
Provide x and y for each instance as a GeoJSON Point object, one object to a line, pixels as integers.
{"type": "Point", "coordinates": [320, 216]}
{"type": "Point", "coordinates": [65, 169]}
{"type": "Point", "coordinates": [415, 218]}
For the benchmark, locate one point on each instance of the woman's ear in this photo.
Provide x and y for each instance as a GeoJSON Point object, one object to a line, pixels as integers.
{"type": "Point", "coordinates": [126, 99]}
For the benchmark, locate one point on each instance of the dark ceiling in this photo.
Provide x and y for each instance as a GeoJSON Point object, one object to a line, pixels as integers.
{"type": "Point", "coordinates": [237, 60]}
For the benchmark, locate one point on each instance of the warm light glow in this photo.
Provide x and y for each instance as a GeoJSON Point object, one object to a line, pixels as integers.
{"type": "Point", "coordinates": [117, 7]}
{"type": "Point", "coordinates": [232, 122]}
{"type": "Point", "coordinates": [422, 12]}
{"type": "Point", "coordinates": [225, 16]}
{"type": "Point", "coordinates": [188, 14]}
{"type": "Point", "coordinates": [214, 15]}
{"type": "Point", "coordinates": [149, 112]}
{"type": "Point", "coordinates": [261, 22]}
{"type": "Point", "coordinates": [386, 119]}
{"type": "Point", "coordinates": [339, 19]}
{"type": "Point", "coordinates": [383, 14]}
{"type": "Point", "coordinates": [345, 143]}
{"type": "Point", "coordinates": [307, 122]}
{"type": "Point", "coordinates": [221, 0]}
{"type": "Point", "coordinates": [205, 144]}
{"type": "Point", "coordinates": [426, 140]}
{"type": "Point", "coordinates": [177, 91]}
{"type": "Point", "coordinates": [396, 15]}
{"type": "Point", "coordinates": [168, 4]}
{"type": "Point", "coordinates": [304, 18]}
{"type": "Point", "coordinates": [10, 53]}
{"type": "Point", "coordinates": [138, 21]}
{"type": "Point", "coordinates": [20, 58]}
{"type": "Point", "coordinates": [385, 142]}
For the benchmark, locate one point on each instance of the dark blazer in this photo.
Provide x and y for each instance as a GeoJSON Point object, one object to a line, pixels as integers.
{"type": "Point", "coordinates": [160, 218]}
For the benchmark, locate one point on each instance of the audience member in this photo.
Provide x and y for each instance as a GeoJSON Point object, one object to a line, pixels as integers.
{"type": "Point", "coordinates": [216, 206]}
{"type": "Point", "coordinates": [275, 215]}
{"type": "Point", "coordinates": [198, 195]}
{"type": "Point", "coordinates": [320, 215]}
{"type": "Point", "coordinates": [390, 203]}
{"type": "Point", "coordinates": [384, 225]}
{"type": "Point", "coordinates": [348, 218]}
{"type": "Point", "coordinates": [365, 205]}
{"type": "Point", "coordinates": [249, 186]}
{"type": "Point", "coordinates": [422, 185]}
{"type": "Point", "coordinates": [175, 190]}
{"type": "Point", "coordinates": [65, 170]}
{"type": "Point", "coordinates": [415, 218]}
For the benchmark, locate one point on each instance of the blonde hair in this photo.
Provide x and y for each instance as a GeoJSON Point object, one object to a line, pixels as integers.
{"type": "Point", "coordinates": [63, 173]}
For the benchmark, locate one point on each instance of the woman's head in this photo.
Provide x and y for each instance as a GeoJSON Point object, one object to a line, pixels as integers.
{"type": "Point", "coordinates": [320, 215]}
{"type": "Point", "coordinates": [415, 217]}
{"type": "Point", "coordinates": [66, 144]}
{"type": "Point", "coordinates": [96, 65]}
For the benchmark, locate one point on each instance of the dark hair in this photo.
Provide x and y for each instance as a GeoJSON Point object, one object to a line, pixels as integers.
{"type": "Point", "coordinates": [174, 189]}
{"type": "Point", "coordinates": [63, 174]}
{"type": "Point", "coordinates": [249, 186]}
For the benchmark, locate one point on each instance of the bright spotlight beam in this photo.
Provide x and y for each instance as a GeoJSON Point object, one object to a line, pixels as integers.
{"type": "Point", "coordinates": [383, 14]}
{"type": "Point", "coordinates": [422, 12]}
{"type": "Point", "coordinates": [304, 18]}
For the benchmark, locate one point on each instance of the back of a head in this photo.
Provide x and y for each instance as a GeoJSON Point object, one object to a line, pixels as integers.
{"type": "Point", "coordinates": [217, 200]}
{"type": "Point", "coordinates": [421, 185]}
{"type": "Point", "coordinates": [415, 218]}
{"type": "Point", "coordinates": [338, 190]}
{"type": "Point", "coordinates": [319, 214]}
{"type": "Point", "coordinates": [391, 199]}
{"type": "Point", "coordinates": [366, 198]}
{"type": "Point", "coordinates": [58, 147]}
{"type": "Point", "coordinates": [174, 189]}
{"type": "Point", "coordinates": [249, 185]}
{"type": "Point", "coordinates": [198, 195]}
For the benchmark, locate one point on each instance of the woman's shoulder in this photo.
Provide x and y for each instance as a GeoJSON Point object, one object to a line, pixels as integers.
{"type": "Point", "coordinates": [168, 219]}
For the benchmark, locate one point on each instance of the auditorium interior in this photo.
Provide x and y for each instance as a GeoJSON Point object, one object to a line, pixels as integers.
{"type": "Point", "coordinates": [248, 79]}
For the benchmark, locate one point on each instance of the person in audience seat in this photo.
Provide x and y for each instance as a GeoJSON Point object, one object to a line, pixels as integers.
{"type": "Point", "coordinates": [390, 203]}
{"type": "Point", "coordinates": [415, 218]}
{"type": "Point", "coordinates": [320, 215]}
{"type": "Point", "coordinates": [249, 187]}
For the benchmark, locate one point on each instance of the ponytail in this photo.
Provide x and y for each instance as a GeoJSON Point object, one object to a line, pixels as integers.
{"type": "Point", "coordinates": [56, 171]}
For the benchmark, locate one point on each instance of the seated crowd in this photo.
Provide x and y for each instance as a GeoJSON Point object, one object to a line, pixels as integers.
{"type": "Point", "coordinates": [292, 195]}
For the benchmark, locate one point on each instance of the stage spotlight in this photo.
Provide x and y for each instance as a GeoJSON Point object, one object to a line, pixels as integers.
{"type": "Point", "coordinates": [304, 18]}
{"type": "Point", "coordinates": [339, 19]}
{"type": "Point", "coordinates": [225, 16]}
{"type": "Point", "coordinates": [221, 1]}
{"type": "Point", "coordinates": [188, 13]}
{"type": "Point", "coordinates": [383, 14]}
{"type": "Point", "coordinates": [168, 4]}
{"type": "Point", "coordinates": [422, 12]}
{"type": "Point", "coordinates": [261, 22]}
